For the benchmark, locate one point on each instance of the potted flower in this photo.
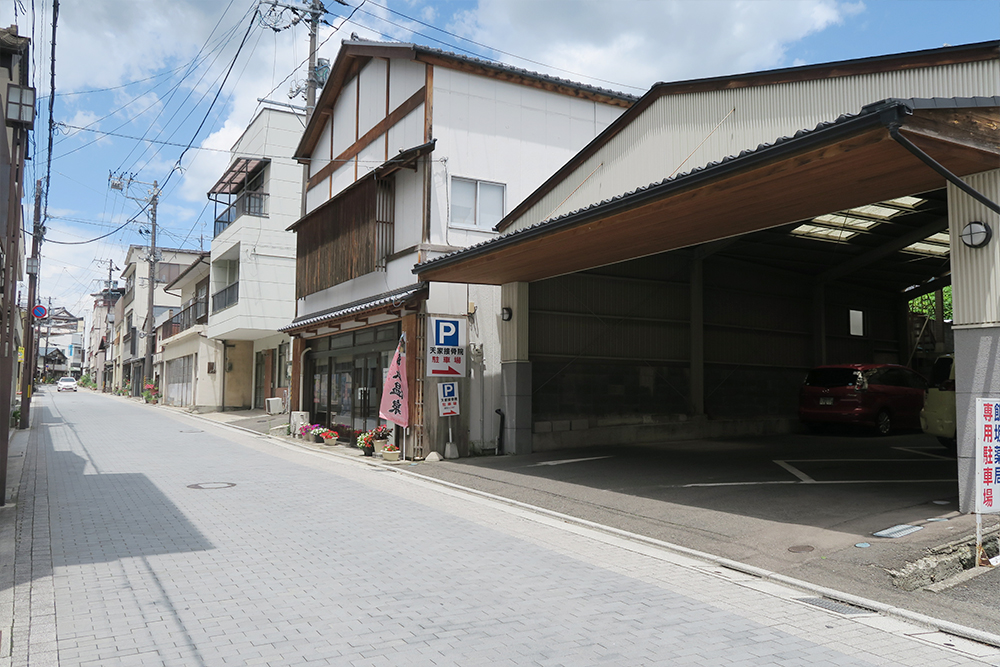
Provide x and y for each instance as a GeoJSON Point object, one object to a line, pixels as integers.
{"type": "Point", "coordinates": [150, 393]}
{"type": "Point", "coordinates": [390, 452]}
{"type": "Point", "coordinates": [365, 443]}
{"type": "Point", "coordinates": [380, 435]}
{"type": "Point", "coordinates": [314, 431]}
{"type": "Point", "coordinates": [328, 435]}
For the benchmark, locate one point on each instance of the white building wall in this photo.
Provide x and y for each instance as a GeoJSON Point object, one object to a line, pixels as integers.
{"type": "Point", "coordinates": [265, 252]}
{"type": "Point", "coordinates": [666, 139]}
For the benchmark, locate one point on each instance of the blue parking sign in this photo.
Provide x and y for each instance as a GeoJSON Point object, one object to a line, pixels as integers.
{"type": "Point", "coordinates": [446, 333]}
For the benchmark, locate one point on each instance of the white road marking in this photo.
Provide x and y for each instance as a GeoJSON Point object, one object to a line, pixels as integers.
{"type": "Point", "coordinates": [562, 461]}
{"type": "Point", "coordinates": [835, 481]}
{"type": "Point", "coordinates": [795, 471]}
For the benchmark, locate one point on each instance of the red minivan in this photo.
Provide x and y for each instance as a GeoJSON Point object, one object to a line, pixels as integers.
{"type": "Point", "coordinates": [881, 396]}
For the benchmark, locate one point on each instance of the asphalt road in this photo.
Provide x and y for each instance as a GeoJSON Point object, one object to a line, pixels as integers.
{"type": "Point", "coordinates": [797, 505]}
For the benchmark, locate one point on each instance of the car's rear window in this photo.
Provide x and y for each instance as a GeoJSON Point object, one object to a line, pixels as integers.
{"type": "Point", "coordinates": [832, 377]}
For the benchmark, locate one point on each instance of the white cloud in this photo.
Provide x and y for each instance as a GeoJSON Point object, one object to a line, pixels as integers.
{"type": "Point", "coordinates": [636, 43]}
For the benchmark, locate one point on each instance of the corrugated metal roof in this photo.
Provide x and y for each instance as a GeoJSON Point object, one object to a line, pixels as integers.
{"type": "Point", "coordinates": [397, 297]}
{"type": "Point", "coordinates": [872, 113]}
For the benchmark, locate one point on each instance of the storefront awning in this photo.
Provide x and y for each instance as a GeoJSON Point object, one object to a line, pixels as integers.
{"type": "Point", "coordinates": [394, 301]}
{"type": "Point", "coordinates": [840, 165]}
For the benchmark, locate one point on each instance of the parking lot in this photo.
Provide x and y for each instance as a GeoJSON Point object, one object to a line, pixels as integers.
{"type": "Point", "coordinates": [796, 504]}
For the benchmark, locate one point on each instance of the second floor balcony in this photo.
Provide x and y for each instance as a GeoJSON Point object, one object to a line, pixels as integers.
{"type": "Point", "coordinates": [226, 297]}
{"type": "Point", "coordinates": [196, 313]}
{"type": "Point", "coordinates": [246, 203]}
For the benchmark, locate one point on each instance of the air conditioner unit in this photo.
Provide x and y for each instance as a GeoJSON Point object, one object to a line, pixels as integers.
{"type": "Point", "coordinates": [274, 406]}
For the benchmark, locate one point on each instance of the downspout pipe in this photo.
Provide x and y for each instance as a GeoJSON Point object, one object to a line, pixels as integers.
{"type": "Point", "coordinates": [941, 169]}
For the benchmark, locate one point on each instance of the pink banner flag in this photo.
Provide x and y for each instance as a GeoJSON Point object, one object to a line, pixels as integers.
{"type": "Point", "coordinates": [395, 394]}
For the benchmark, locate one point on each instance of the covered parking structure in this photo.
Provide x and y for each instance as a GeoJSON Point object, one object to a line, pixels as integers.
{"type": "Point", "coordinates": [694, 305]}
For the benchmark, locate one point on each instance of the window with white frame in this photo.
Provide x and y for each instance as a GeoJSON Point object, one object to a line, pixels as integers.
{"type": "Point", "coordinates": [476, 203]}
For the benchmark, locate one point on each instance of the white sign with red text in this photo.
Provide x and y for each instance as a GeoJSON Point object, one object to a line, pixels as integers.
{"type": "Point", "coordinates": [446, 344]}
{"type": "Point", "coordinates": [988, 455]}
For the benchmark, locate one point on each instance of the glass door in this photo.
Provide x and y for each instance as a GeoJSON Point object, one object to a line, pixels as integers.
{"type": "Point", "coordinates": [341, 393]}
{"type": "Point", "coordinates": [367, 391]}
{"type": "Point", "coordinates": [321, 391]}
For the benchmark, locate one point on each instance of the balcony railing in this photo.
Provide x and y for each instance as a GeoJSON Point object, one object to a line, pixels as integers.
{"type": "Point", "coordinates": [196, 313]}
{"type": "Point", "coordinates": [247, 203]}
{"type": "Point", "coordinates": [226, 297]}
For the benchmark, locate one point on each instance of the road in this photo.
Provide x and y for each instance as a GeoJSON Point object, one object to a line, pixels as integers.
{"type": "Point", "coordinates": [142, 536]}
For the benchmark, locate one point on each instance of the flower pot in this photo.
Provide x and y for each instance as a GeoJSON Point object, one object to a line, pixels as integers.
{"type": "Point", "coordinates": [319, 439]}
{"type": "Point", "coordinates": [390, 456]}
{"type": "Point", "coordinates": [369, 451]}
{"type": "Point", "coordinates": [380, 444]}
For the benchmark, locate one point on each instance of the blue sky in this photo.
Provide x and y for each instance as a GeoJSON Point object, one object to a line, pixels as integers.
{"type": "Point", "coordinates": [141, 78]}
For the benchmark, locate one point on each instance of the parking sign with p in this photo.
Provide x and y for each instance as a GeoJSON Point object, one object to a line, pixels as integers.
{"type": "Point", "coordinates": [446, 341]}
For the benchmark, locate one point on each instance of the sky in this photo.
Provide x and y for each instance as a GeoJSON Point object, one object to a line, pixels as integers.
{"type": "Point", "coordinates": [161, 90]}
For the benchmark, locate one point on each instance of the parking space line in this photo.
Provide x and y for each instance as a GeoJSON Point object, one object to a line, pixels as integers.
{"type": "Point", "coordinates": [919, 451]}
{"type": "Point", "coordinates": [795, 471]}
{"type": "Point", "coordinates": [830, 481]}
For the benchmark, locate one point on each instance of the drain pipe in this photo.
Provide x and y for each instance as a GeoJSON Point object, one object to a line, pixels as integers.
{"type": "Point", "coordinates": [941, 169]}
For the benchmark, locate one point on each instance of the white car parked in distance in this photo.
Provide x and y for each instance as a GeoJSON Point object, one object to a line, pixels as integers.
{"type": "Point", "coordinates": [66, 384]}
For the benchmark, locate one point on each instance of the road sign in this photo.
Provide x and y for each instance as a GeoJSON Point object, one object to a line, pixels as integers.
{"type": "Point", "coordinates": [39, 311]}
{"type": "Point", "coordinates": [446, 341]}
{"type": "Point", "coordinates": [448, 399]}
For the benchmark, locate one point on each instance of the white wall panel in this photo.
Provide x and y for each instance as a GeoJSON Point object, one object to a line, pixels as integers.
{"type": "Point", "coordinates": [371, 102]}
{"type": "Point", "coordinates": [665, 138]}
{"type": "Point", "coordinates": [405, 78]}
{"type": "Point", "coordinates": [344, 118]}
{"type": "Point", "coordinates": [975, 272]}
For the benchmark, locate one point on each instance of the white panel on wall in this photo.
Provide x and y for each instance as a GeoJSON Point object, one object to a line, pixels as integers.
{"type": "Point", "coordinates": [408, 132]}
{"type": "Point", "coordinates": [405, 78]}
{"type": "Point", "coordinates": [371, 104]}
{"type": "Point", "coordinates": [975, 272]}
{"type": "Point", "coordinates": [344, 118]}
{"type": "Point", "coordinates": [321, 154]}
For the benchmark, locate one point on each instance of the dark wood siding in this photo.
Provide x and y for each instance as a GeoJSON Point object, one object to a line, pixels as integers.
{"type": "Point", "coordinates": [345, 238]}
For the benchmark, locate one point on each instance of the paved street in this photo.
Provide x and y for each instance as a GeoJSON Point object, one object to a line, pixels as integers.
{"type": "Point", "coordinates": [147, 537]}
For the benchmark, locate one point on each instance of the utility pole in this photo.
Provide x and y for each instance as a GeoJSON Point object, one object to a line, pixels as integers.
{"type": "Point", "coordinates": [151, 287]}
{"type": "Point", "coordinates": [152, 198]}
{"type": "Point", "coordinates": [30, 355]}
{"type": "Point", "coordinates": [314, 10]}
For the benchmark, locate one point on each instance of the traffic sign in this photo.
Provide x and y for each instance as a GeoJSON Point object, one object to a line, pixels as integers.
{"type": "Point", "coordinates": [39, 311]}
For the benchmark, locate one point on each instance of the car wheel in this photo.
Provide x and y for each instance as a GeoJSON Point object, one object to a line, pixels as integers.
{"type": "Point", "coordinates": [883, 423]}
{"type": "Point", "coordinates": [951, 444]}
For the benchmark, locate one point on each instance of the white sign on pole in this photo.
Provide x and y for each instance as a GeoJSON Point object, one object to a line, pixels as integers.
{"type": "Point", "coordinates": [446, 342]}
{"type": "Point", "coordinates": [448, 399]}
{"type": "Point", "coordinates": [987, 455]}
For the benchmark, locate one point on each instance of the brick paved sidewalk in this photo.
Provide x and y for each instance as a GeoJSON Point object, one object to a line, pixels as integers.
{"type": "Point", "coordinates": [145, 537]}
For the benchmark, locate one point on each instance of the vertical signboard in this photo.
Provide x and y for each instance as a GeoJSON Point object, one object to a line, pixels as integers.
{"type": "Point", "coordinates": [448, 399]}
{"type": "Point", "coordinates": [446, 343]}
{"type": "Point", "coordinates": [987, 455]}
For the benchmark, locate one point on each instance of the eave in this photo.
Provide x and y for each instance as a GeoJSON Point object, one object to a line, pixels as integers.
{"type": "Point", "coordinates": [840, 165]}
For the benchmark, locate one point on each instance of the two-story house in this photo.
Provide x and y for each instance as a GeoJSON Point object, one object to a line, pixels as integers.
{"type": "Point", "coordinates": [222, 349]}
{"type": "Point", "coordinates": [413, 152]}
{"type": "Point", "coordinates": [130, 325]}
{"type": "Point", "coordinates": [100, 339]}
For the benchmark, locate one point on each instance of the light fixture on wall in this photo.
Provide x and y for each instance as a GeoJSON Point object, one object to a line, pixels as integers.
{"type": "Point", "coordinates": [506, 314]}
{"type": "Point", "coordinates": [976, 234]}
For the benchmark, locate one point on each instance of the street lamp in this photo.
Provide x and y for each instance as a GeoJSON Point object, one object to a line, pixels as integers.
{"type": "Point", "coordinates": [20, 109]}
